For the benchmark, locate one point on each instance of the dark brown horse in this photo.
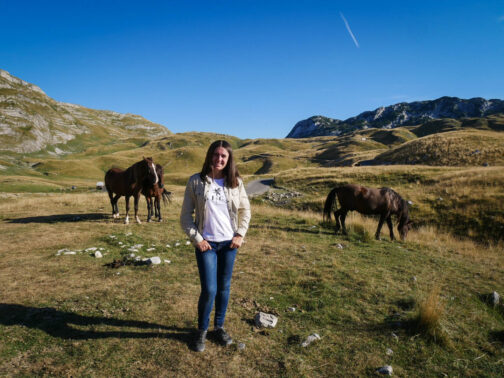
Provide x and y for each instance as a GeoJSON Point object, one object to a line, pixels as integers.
{"type": "Point", "coordinates": [369, 201]}
{"type": "Point", "coordinates": [129, 183]}
{"type": "Point", "coordinates": [157, 191]}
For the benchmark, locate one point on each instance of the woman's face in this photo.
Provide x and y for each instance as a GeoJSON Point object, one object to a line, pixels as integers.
{"type": "Point", "coordinates": [219, 159]}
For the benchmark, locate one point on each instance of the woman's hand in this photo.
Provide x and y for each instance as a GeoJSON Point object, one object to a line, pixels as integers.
{"type": "Point", "coordinates": [236, 242]}
{"type": "Point", "coordinates": [203, 246]}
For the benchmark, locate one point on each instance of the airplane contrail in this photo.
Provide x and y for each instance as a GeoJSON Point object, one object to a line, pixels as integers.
{"type": "Point", "coordinates": [349, 30]}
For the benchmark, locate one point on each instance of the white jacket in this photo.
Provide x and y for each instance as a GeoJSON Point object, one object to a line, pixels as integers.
{"type": "Point", "coordinates": [194, 202]}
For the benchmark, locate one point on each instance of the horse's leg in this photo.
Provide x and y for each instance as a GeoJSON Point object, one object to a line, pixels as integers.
{"type": "Point", "coordinates": [380, 225]}
{"type": "Point", "coordinates": [336, 218]}
{"type": "Point", "coordinates": [390, 226]}
{"type": "Point", "coordinates": [342, 218]}
{"type": "Point", "coordinates": [157, 202]}
{"type": "Point", "coordinates": [115, 208]}
{"type": "Point", "coordinates": [111, 196]}
{"type": "Point", "coordinates": [137, 198]}
{"type": "Point", "coordinates": [148, 199]}
{"type": "Point", "coordinates": [126, 221]}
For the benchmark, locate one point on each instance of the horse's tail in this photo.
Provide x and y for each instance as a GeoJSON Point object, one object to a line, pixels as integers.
{"type": "Point", "coordinates": [329, 203]}
{"type": "Point", "coordinates": [166, 197]}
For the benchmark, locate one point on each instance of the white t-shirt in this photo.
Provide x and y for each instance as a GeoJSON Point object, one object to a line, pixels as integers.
{"type": "Point", "coordinates": [217, 226]}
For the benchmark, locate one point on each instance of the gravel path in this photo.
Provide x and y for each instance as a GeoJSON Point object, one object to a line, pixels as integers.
{"type": "Point", "coordinates": [257, 187]}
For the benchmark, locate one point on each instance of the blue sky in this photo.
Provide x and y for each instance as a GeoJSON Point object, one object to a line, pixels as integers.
{"type": "Point", "coordinates": [253, 68]}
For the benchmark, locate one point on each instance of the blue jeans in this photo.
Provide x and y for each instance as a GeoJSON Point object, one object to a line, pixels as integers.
{"type": "Point", "coordinates": [215, 269]}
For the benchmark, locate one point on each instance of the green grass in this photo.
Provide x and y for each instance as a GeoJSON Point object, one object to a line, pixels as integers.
{"type": "Point", "coordinates": [74, 315]}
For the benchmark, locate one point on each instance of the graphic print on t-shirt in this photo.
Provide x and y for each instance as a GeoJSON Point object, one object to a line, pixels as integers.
{"type": "Point", "coordinates": [217, 194]}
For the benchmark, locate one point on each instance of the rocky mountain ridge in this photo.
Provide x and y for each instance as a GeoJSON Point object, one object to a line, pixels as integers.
{"type": "Point", "coordinates": [401, 114]}
{"type": "Point", "coordinates": [31, 121]}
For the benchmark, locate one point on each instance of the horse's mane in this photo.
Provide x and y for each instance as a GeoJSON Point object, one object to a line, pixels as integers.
{"type": "Point", "coordinates": [403, 204]}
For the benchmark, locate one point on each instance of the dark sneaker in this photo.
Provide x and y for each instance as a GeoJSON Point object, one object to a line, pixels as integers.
{"type": "Point", "coordinates": [222, 337]}
{"type": "Point", "coordinates": [199, 345]}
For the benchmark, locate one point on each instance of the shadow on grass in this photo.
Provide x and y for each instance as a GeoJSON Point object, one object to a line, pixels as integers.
{"type": "Point", "coordinates": [57, 218]}
{"type": "Point", "coordinates": [59, 324]}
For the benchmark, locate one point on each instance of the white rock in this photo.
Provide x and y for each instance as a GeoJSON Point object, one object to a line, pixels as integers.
{"type": "Point", "coordinates": [168, 246]}
{"type": "Point", "coordinates": [129, 234]}
{"type": "Point", "coordinates": [167, 261]}
{"type": "Point", "coordinates": [98, 255]}
{"type": "Point", "coordinates": [70, 253]}
{"type": "Point", "coordinates": [241, 346]}
{"type": "Point", "coordinates": [120, 243]}
{"type": "Point", "coordinates": [291, 309]}
{"type": "Point", "coordinates": [339, 246]}
{"type": "Point", "coordinates": [187, 243]}
{"type": "Point", "coordinates": [263, 320]}
{"type": "Point", "coordinates": [494, 298]}
{"type": "Point", "coordinates": [387, 369]}
{"type": "Point", "coordinates": [389, 352]}
{"type": "Point", "coordinates": [91, 249]}
{"type": "Point", "coordinates": [177, 244]}
{"type": "Point", "coordinates": [101, 248]}
{"type": "Point", "coordinates": [155, 260]}
{"type": "Point", "coordinates": [132, 255]}
{"type": "Point", "coordinates": [414, 279]}
{"type": "Point", "coordinates": [310, 339]}
{"type": "Point", "coordinates": [395, 337]}
{"type": "Point", "coordinates": [150, 249]}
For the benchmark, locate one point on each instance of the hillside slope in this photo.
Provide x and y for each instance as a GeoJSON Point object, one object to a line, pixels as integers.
{"type": "Point", "coordinates": [30, 121]}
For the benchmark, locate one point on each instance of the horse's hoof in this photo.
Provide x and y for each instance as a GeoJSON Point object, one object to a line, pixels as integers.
{"type": "Point", "coordinates": [160, 219]}
{"type": "Point", "coordinates": [138, 220]}
{"type": "Point", "coordinates": [149, 220]}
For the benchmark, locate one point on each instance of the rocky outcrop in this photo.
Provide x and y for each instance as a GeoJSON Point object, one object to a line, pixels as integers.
{"type": "Point", "coordinates": [402, 114]}
{"type": "Point", "coordinates": [31, 121]}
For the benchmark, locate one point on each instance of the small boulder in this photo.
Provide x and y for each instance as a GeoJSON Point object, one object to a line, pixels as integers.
{"type": "Point", "coordinates": [387, 369]}
{"type": "Point", "coordinates": [389, 352]}
{"type": "Point", "coordinates": [310, 339]}
{"type": "Point", "coordinates": [154, 260]}
{"type": "Point", "coordinates": [98, 255]}
{"type": "Point", "coordinates": [494, 298]}
{"type": "Point", "coordinates": [263, 320]}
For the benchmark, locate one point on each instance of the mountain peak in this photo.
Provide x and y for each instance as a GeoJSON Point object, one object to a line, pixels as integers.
{"type": "Point", "coordinates": [400, 114]}
{"type": "Point", "coordinates": [12, 81]}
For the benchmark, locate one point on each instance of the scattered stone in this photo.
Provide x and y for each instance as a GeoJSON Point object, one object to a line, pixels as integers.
{"type": "Point", "coordinates": [98, 255]}
{"type": "Point", "coordinates": [440, 199]}
{"type": "Point", "coordinates": [138, 258]}
{"type": "Point", "coordinates": [129, 234]}
{"type": "Point", "coordinates": [410, 203]}
{"type": "Point", "coordinates": [387, 369]}
{"type": "Point", "coordinates": [187, 243]}
{"type": "Point", "coordinates": [167, 261]}
{"type": "Point", "coordinates": [389, 352]}
{"type": "Point", "coordinates": [414, 279]}
{"type": "Point", "coordinates": [154, 260]}
{"type": "Point", "coordinates": [150, 249]}
{"type": "Point", "coordinates": [395, 337]}
{"type": "Point", "coordinates": [241, 346]}
{"type": "Point", "coordinates": [271, 298]}
{"type": "Point", "coordinates": [69, 253]}
{"type": "Point", "coordinates": [168, 246]}
{"type": "Point", "coordinates": [132, 255]}
{"type": "Point", "coordinates": [112, 236]}
{"type": "Point", "coordinates": [494, 298]}
{"type": "Point", "coordinates": [177, 244]}
{"type": "Point", "coordinates": [339, 246]}
{"type": "Point", "coordinates": [263, 320]}
{"type": "Point", "coordinates": [310, 339]}
{"type": "Point", "coordinates": [291, 309]}
{"type": "Point", "coordinates": [91, 249]}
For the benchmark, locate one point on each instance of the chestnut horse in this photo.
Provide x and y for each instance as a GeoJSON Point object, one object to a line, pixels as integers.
{"type": "Point", "coordinates": [369, 201]}
{"type": "Point", "coordinates": [157, 191]}
{"type": "Point", "coordinates": [129, 183]}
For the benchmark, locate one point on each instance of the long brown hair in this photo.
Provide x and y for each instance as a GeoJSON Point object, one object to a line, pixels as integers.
{"type": "Point", "coordinates": [230, 170]}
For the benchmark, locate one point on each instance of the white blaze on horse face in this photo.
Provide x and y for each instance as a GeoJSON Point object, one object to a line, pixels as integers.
{"type": "Point", "coordinates": [154, 168]}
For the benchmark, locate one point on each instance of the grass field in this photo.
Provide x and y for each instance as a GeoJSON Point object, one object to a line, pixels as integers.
{"type": "Point", "coordinates": [72, 315]}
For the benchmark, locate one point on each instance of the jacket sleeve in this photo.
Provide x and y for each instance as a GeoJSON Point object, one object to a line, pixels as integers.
{"type": "Point", "coordinates": [186, 215]}
{"type": "Point", "coordinates": [243, 211]}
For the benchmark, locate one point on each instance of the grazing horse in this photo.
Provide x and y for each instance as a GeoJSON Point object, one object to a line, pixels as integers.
{"type": "Point", "coordinates": [369, 201]}
{"type": "Point", "coordinates": [129, 183]}
{"type": "Point", "coordinates": [157, 191]}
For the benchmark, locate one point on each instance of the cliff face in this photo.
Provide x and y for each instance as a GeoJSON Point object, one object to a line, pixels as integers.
{"type": "Point", "coordinates": [31, 121]}
{"type": "Point", "coordinates": [402, 114]}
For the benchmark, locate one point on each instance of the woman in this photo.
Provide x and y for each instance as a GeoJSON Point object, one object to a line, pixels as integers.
{"type": "Point", "coordinates": [222, 213]}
